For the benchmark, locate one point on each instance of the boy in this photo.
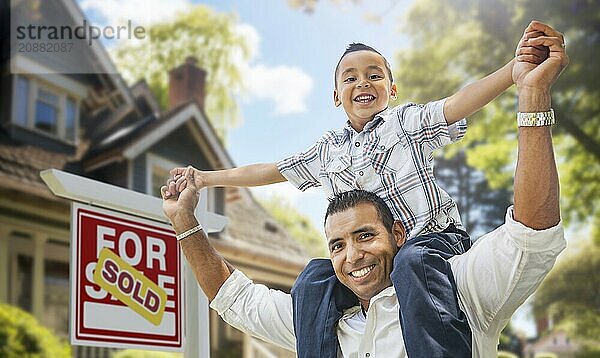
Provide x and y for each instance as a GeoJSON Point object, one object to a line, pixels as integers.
{"type": "Point", "coordinates": [389, 152]}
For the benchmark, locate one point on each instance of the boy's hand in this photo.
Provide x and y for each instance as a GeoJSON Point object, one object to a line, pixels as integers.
{"type": "Point", "coordinates": [526, 52]}
{"type": "Point", "coordinates": [180, 181]}
{"type": "Point", "coordinates": [526, 74]}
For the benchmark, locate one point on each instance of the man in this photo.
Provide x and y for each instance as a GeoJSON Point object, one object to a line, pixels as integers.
{"type": "Point", "coordinates": [493, 278]}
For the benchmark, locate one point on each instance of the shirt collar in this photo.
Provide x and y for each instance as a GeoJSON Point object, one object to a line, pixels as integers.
{"type": "Point", "coordinates": [379, 117]}
{"type": "Point", "coordinates": [386, 292]}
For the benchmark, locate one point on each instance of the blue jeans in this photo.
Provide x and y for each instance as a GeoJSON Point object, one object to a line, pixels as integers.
{"type": "Point", "coordinates": [432, 323]}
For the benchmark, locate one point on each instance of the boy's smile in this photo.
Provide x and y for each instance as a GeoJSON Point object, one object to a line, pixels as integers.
{"type": "Point", "coordinates": [363, 87]}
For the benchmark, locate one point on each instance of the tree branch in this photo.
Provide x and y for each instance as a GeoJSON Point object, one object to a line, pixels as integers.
{"type": "Point", "coordinates": [587, 142]}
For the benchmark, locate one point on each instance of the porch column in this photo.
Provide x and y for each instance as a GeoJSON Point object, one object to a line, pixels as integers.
{"type": "Point", "coordinates": [4, 264]}
{"type": "Point", "coordinates": [38, 276]}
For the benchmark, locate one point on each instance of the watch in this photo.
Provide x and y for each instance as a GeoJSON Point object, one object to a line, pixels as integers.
{"type": "Point", "coordinates": [535, 119]}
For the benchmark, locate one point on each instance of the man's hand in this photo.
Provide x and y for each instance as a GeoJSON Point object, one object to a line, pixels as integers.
{"type": "Point", "coordinates": [180, 208]}
{"type": "Point", "coordinates": [210, 269]}
{"type": "Point", "coordinates": [179, 182]}
{"type": "Point", "coordinates": [542, 76]}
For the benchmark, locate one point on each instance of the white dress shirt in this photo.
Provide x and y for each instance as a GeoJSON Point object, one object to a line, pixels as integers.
{"type": "Point", "coordinates": [494, 278]}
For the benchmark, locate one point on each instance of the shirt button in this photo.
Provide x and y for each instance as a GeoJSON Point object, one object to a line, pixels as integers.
{"type": "Point", "coordinates": [382, 147]}
{"type": "Point", "coordinates": [361, 173]}
{"type": "Point", "coordinates": [357, 144]}
{"type": "Point", "coordinates": [368, 355]}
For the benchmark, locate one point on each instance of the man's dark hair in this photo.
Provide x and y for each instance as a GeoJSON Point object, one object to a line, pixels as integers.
{"type": "Point", "coordinates": [357, 46]}
{"type": "Point", "coordinates": [349, 199]}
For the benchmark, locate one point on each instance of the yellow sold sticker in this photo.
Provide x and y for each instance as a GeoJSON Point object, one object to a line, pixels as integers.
{"type": "Point", "coordinates": [130, 286]}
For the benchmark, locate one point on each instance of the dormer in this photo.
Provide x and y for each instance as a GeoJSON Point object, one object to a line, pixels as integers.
{"type": "Point", "coordinates": [48, 106]}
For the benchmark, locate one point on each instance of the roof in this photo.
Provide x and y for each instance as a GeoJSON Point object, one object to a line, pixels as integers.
{"type": "Point", "coordinates": [20, 166]}
{"type": "Point", "coordinates": [130, 140]}
{"type": "Point", "coordinates": [251, 224]}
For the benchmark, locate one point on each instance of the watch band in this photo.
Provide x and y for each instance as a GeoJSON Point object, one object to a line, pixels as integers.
{"type": "Point", "coordinates": [189, 232]}
{"type": "Point", "coordinates": [535, 119]}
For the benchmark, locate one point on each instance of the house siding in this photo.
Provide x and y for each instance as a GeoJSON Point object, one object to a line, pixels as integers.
{"type": "Point", "coordinates": [180, 147]}
{"type": "Point", "coordinates": [139, 173]}
{"type": "Point", "coordinates": [115, 174]}
{"type": "Point", "coordinates": [29, 136]}
{"type": "Point", "coordinates": [51, 13]}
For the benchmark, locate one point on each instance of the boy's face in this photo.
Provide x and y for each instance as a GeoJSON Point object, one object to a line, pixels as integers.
{"type": "Point", "coordinates": [363, 87]}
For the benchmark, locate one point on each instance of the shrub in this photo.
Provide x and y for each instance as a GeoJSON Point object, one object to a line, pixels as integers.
{"type": "Point", "coordinates": [135, 353]}
{"type": "Point", "coordinates": [21, 335]}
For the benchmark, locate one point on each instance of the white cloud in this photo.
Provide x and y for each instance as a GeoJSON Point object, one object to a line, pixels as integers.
{"type": "Point", "coordinates": [288, 87]}
{"type": "Point", "coordinates": [140, 12]}
{"type": "Point", "coordinates": [252, 38]}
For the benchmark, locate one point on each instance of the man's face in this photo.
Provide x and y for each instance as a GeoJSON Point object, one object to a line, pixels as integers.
{"type": "Point", "coordinates": [362, 250]}
{"type": "Point", "coordinates": [363, 87]}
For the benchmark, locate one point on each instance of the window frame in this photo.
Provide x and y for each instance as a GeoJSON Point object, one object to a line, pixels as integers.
{"type": "Point", "coordinates": [35, 84]}
{"type": "Point", "coordinates": [153, 159]}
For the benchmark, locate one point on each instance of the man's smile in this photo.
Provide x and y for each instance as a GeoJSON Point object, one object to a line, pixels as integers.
{"type": "Point", "coordinates": [362, 272]}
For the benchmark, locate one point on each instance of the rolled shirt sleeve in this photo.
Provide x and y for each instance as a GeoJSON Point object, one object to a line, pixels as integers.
{"type": "Point", "coordinates": [302, 170]}
{"type": "Point", "coordinates": [426, 125]}
{"type": "Point", "coordinates": [257, 310]}
{"type": "Point", "coordinates": [502, 269]}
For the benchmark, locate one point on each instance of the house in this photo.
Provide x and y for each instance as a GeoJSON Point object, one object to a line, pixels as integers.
{"type": "Point", "coordinates": [95, 125]}
{"type": "Point", "coordinates": [554, 344]}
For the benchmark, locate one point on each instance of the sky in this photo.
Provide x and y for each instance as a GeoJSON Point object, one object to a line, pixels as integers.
{"type": "Point", "coordinates": [288, 103]}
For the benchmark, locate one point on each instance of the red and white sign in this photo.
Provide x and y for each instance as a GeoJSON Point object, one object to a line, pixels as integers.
{"type": "Point", "coordinates": [140, 267]}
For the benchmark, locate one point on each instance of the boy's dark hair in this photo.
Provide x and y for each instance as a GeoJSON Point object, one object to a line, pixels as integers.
{"type": "Point", "coordinates": [357, 46]}
{"type": "Point", "coordinates": [349, 199]}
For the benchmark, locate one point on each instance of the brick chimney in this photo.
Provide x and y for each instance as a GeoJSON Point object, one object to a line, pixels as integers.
{"type": "Point", "coordinates": [186, 83]}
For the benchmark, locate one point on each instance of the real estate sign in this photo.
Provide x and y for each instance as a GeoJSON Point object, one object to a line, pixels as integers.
{"type": "Point", "coordinates": [126, 281]}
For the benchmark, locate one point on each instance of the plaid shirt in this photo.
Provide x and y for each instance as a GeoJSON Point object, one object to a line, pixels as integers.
{"type": "Point", "coordinates": [391, 157]}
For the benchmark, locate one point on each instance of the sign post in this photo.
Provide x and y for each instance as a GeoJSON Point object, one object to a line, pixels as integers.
{"type": "Point", "coordinates": [127, 279]}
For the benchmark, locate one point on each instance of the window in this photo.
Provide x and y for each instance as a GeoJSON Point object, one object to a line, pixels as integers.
{"type": "Point", "coordinates": [157, 173]}
{"type": "Point", "coordinates": [24, 282]}
{"type": "Point", "coordinates": [45, 109]}
{"type": "Point", "coordinates": [70, 119]}
{"type": "Point", "coordinates": [56, 296]}
{"type": "Point", "coordinates": [159, 178]}
{"type": "Point", "coordinates": [22, 101]}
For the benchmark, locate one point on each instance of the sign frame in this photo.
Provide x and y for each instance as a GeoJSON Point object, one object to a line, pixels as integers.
{"type": "Point", "coordinates": [76, 188]}
{"type": "Point", "coordinates": [81, 335]}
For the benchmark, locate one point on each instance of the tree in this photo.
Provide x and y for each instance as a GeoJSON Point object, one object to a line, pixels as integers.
{"type": "Point", "coordinates": [510, 341]}
{"type": "Point", "coordinates": [213, 38]}
{"type": "Point", "coordinates": [457, 41]}
{"type": "Point", "coordinates": [570, 295]}
{"type": "Point", "coordinates": [298, 225]}
{"type": "Point", "coordinates": [481, 208]}
{"type": "Point", "coordinates": [21, 335]}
